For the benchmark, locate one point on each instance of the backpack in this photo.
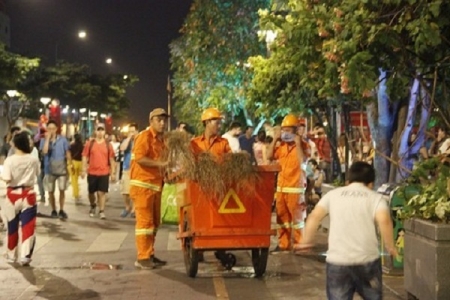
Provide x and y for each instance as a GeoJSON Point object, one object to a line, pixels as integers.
{"type": "Point", "coordinates": [92, 145]}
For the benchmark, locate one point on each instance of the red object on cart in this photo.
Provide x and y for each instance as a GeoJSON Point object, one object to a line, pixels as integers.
{"type": "Point", "coordinates": [240, 221]}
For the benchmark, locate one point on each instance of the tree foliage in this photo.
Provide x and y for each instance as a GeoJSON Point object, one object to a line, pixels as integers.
{"type": "Point", "coordinates": [334, 50]}
{"type": "Point", "coordinates": [209, 59]}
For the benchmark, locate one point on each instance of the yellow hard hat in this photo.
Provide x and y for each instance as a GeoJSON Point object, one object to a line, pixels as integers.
{"type": "Point", "coordinates": [290, 121]}
{"type": "Point", "coordinates": [211, 113]}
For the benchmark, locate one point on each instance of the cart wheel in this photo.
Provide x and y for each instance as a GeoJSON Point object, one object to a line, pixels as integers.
{"type": "Point", "coordinates": [220, 255]}
{"type": "Point", "coordinates": [190, 256]}
{"type": "Point", "coordinates": [259, 260]}
{"type": "Point", "coordinates": [229, 261]}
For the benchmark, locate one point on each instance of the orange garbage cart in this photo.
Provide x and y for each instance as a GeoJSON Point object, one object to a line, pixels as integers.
{"type": "Point", "coordinates": [239, 221]}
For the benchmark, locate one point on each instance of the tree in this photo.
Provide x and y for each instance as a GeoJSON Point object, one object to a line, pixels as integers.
{"type": "Point", "coordinates": [383, 54]}
{"type": "Point", "coordinates": [209, 59]}
{"type": "Point", "coordinates": [14, 71]}
{"type": "Point", "coordinates": [75, 86]}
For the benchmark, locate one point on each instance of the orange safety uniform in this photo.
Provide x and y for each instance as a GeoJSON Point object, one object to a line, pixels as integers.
{"type": "Point", "coordinates": [145, 189]}
{"type": "Point", "coordinates": [218, 147]}
{"type": "Point", "coordinates": [290, 195]}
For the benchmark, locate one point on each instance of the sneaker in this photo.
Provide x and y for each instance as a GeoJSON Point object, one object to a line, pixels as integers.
{"type": "Point", "coordinates": [124, 213]}
{"type": "Point", "coordinates": [92, 212]}
{"type": "Point", "coordinates": [157, 262]}
{"type": "Point", "coordinates": [102, 215]}
{"type": "Point", "coordinates": [133, 215]}
{"type": "Point", "coordinates": [25, 262]}
{"type": "Point", "coordinates": [144, 264]}
{"type": "Point", "coordinates": [54, 214]}
{"type": "Point", "coordinates": [63, 215]}
{"type": "Point", "coordinates": [279, 250]}
{"type": "Point", "coordinates": [10, 260]}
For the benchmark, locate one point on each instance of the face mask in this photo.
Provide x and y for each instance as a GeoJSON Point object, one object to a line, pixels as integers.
{"type": "Point", "coordinates": [287, 136]}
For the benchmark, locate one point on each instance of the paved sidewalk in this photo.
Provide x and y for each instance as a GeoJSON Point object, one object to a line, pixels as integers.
{"type": "Point", "coordinates": [72, 261]}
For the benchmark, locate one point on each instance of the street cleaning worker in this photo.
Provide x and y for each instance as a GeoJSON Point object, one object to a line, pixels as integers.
{"type": "Point", "coordinates": [290, 188]}
{"type": "Point", "coordinates": [210, 140]}
{"type": "Point", "coordinates": [146, 182]}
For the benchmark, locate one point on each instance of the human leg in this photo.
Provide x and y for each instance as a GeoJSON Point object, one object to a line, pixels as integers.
{"type": "Point", "coordinates": [28, 225]}
{"type": "Point", "coordinates": [11, 219]}
{"type": "Point", "coordinates": [369, 280]}
{"type": "Point", "coordinates": [283, 222]}
{"type": "Point", "coordinates": [296, 206]}
{"type": "Point", "coordinates": [340, 285]}
{"type": "Point", "coordinates": [50, 183]}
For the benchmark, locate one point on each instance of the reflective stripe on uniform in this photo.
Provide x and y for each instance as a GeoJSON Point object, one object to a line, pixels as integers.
{"type": "Point", "coordinates": [133, 156]}
{"type": "Point", "coordinates": [290, 190]}
{"type": "Point", "coordinates": [299, 225]}
{"type": "Point", "coordinates": [146, 185]}
{"type": "Point", "coordinates": [144, 232]}
{"type": "Point", "coordinates": [285, 226]}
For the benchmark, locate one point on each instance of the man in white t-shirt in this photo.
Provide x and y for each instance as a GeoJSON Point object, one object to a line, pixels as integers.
{"type": "Point", "coordinates": [232, 137]}
{"type": "Point", "coordinates": [353, 258]}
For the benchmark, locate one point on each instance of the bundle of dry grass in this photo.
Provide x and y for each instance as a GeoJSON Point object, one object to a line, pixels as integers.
{"type": "Point", "coordinates": [237, 170]}
{"type": "Point", "coordinates": [209, 177]}
{"type": "Point", "coordinates": [179, 154]}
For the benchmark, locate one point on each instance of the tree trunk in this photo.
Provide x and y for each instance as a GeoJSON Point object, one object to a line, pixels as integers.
{"type": "Point", "coordinates": [404, 151]}
{"type": "Point", "coordinates": [401, 120]}
{"type": "Point", "coordinates": [381, 119]}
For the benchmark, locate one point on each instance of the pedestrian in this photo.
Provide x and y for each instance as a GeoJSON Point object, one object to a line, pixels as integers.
{"type": "Point", "coordinates": [126, 148]}
{"type": "Point", "coordinates": [76, 168]}
{"type": "Point", "coordinates": [7, 149]}
{"type": "Point", "coordinates": [55, 149]}
{"type": "Point", "coordinates": [247, 140]}
{"type": "Point", "coordinates": [323, 150]}
{"type": "Point", "coordinates": [146, 181]}
{"type": "Point", "coordinates": [20, 171]}
{"type": "Point", "coordinates": [353, 257]}
{"type": "Point", "coordinates": [40, 181]}
{"type": "Point", "coordinates": [115, 143]}
{"type": "Point", "coordinates": [232, 136]}
{"type": "Point", "coordinates": [99, 165]}
{"type": "Point", "coordinates": [290, 202]}
{"type": "Point", "coordinates": [259, 148]}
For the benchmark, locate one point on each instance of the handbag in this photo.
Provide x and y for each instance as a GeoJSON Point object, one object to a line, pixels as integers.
{"type": "Point", "coordinates": [58, 167]}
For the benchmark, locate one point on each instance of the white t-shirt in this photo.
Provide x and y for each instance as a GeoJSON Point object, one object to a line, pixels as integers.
{"type": "Point", "coordinates": [353, 239]}
{"type": "Point", "coordinates": [233, 141]}
{"type": "Point", "coordinates": [21, 170]}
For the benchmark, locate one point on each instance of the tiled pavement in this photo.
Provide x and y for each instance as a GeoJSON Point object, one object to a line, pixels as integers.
{"type": "Point", "coordinates": [71, 256]}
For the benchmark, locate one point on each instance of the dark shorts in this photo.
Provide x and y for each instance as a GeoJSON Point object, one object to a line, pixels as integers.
{"type": "Point", "coordinates": [98, 183]}
{"type": "Point", "coordinates": [344, 281]}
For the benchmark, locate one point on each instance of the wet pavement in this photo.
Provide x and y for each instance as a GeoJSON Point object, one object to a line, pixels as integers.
{"type": "Point", "coordinates": [89, 258]}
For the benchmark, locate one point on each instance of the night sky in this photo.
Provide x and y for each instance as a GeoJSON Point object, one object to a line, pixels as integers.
{"type": "Point", "coordinates": [134, 33]}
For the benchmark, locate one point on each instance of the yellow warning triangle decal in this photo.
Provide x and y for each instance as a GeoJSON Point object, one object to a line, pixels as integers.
{"type": "Point", "coordinates": [232, 195]}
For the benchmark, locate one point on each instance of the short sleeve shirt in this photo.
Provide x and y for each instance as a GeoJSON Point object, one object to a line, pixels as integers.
{"type": "Point", "coordinates": [21, 170]}
{"type": "Point", "coordinates": [57, 151]}
{"type": "Point", "coordinates": [352, 239]}
{"type": "Point", "coordinates": [97, 156]}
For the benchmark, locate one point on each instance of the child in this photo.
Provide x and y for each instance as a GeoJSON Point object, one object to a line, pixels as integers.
{"type": "Point", "coordinates": [19, 172]}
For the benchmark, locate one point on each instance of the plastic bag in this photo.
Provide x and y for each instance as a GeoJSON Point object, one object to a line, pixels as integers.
{"type": "Point", "coordinates": [169, 208]}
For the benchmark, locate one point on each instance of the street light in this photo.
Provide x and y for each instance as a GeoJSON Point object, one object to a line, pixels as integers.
{"type": "Point", "coordinates": [109, 61]}
{"type": "Point", "coordinates": [82, 34]}
{"type": "Point", "coordinates": [94, 114]}
{"type": "Point", "coordinates": [82, 110]}
{"type": "Point", "coordinates": [12, 93]}
{"type": "Point", "coordinates": [103, 116]}
{"type": "Point", "coordinates": [45, 100]}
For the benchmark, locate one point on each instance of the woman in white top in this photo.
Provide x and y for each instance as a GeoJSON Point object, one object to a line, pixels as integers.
{"type": "Point", "coordinates": [19, 207]}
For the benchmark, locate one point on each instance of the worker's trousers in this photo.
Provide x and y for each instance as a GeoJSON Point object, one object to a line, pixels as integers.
{"type": "Point", "coordinates": [289, 207]}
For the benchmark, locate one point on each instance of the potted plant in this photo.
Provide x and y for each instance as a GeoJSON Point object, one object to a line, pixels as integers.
{"type": "Point", "coordinates": [426, 218]}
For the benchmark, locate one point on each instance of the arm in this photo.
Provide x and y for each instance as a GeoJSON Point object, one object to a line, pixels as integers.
{"type": "Point", "coordinates": [142, 155]}
{"type": "Point", "coordinates": [45, 145]}
{"type": "Point", "coordinates": [298, 146]}
{"type": "Point", "coordinates": [312, 224]}
{"type": "Point", "coordinates": [6, 174]}
{"type": "Point", "coordinates": [319, 181]}
{"type": "Point", "coordinates": [384, 222]}
{"type": "Point", "coordinates": [125, 144]}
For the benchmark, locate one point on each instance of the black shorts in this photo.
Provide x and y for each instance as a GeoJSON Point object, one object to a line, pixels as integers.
{"type": "Point", "coordinates": [98, 183]}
